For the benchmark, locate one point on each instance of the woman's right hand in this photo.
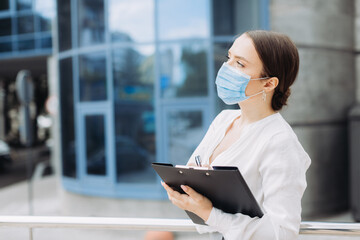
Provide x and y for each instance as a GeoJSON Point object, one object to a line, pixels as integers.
{"type": "Point", "coordinates": [192, 164]}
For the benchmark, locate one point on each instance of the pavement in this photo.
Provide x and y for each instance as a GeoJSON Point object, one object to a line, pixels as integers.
{"type": "Point", "coordinates": [47, 194]}
{"type": "Point", "coordinates": [19, 170]}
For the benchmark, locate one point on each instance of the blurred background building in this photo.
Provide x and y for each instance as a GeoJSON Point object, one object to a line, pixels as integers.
{"type": "Point", "coordinates": [135, 83]}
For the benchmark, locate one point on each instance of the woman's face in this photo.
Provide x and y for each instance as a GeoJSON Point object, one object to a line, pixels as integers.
{"type": "Point", "coordinates": [243, 56]}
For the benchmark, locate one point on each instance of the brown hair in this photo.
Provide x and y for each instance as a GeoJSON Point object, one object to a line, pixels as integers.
{"type": "Point", "coordinates": [280, 59]}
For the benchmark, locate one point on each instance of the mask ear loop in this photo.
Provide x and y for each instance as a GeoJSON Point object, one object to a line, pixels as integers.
{"type": "Point", "coordinates": [263, 91]}
{"type": "Point", "coordinates": [259, 78]}
{"type": "Point", "coordinates": [264, 96]}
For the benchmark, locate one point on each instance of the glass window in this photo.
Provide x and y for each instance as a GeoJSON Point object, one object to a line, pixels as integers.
{"type": "Point", "coordinates": [220, 53]}
{"type": "Point", "coordinates": [185, 133]}
{"type": "Point", "coordinates": [25, 24]}
{"type": "Point", "coordinates": [64, 24]}
{"type": "Point", "coordinates": [4, 5]}
{"type": "Point", "coordinates": [45, 23]}
{"type": "Point", "coordinates": [45, 12]}
{"type": "Point", "coordinates": [183, 70]}
{"type": "Point", "coordinates": [46, 42]}
{"type": "Point", "coordinates": [68, 144]}
{"type": "Point", "coordinates": [5, 26]}
{"type": "Point", "coordinates": [92, 74]}
{"type": "Point", "coordinates": [5, 46]}
{"type": "Point", "coordinates": [133, 70]}
{"type": "Point", "coordinates": [23, 4]}
{"type": "Point", "coordinates": [131, 20]}
{"type": "Point", "coordinates": [183, 19]}
{"type": "Point", "coordinates": [26, 44]}
{"type": "Point", "coordinates": [95, 145]}
{"type": "Point", "coordinates": [91, 22]}
{"type": "Point", "coordinates": [46, 7]}
{"type": "Point", "coordinates": [232, 17]}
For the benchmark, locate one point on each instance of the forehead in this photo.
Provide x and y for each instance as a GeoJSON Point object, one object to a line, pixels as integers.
{"type": "Point", "coordinates": [243, 47]}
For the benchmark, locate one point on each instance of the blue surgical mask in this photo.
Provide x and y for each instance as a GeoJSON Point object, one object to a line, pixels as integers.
{"type": "Point", "coordinates": [231, 84]}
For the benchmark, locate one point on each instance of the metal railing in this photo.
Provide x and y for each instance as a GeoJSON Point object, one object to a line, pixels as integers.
{"type": "Point", "coordinates": [154, 224]}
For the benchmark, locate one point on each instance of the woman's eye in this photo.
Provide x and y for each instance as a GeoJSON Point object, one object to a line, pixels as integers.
{"type": "Point", "coordinates": [228, 58]}
{"type": "Point", "coordinates": [240, 64]}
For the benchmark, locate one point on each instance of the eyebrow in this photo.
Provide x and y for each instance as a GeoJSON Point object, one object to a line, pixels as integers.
{"type": "Point", "coordinates": [240, 57]}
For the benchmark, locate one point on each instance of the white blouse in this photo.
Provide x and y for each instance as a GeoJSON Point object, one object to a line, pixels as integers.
{"type": "Point", "coordinates": [273, 164]}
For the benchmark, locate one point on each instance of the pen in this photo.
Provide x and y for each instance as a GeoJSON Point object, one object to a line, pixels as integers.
{"type": "Point", "coordinates": [198, 160]}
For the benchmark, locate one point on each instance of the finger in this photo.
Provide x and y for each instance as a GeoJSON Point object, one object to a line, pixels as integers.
{"type": "Point", "coordinates": [179, 202]}
{"type": "Point", "coordinates": [172, 193]}
{"type": "Point", "coordinates": [191, 192]}
{"type": "Point", "coordinates": [207, 166]}
{"type": "Point", "coordinates": [167, 188]}
{"type": "Point", "coordinates": [191, 164]}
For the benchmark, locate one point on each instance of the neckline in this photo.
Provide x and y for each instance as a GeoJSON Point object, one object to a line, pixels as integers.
{"type": "Point", "coordinates": [242, 132]}
{"type": "Point", "coordinates": [257, 121]}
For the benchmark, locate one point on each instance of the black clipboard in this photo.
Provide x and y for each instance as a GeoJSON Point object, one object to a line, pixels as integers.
{"type": "Point", "coordinates": [224, 186]}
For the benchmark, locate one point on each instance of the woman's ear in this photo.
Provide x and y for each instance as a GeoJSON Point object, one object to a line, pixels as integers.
{"type": "Point", "coordinates": [271, 83]}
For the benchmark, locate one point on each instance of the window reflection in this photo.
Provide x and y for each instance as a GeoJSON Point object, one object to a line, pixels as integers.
{"type": "Point", "coordinates": [92, 74]}
{"type": "Point", "coordinates": [95, 145]}
{"type": "Point", "coordinates": [135, 23]}
{"type": "Point", "coordinates": [5, 26]}
{"type": "Point", "coordinates": [4, 5]}
{"type": "Point", "coordinates": [183, 19]}
{"type": "Point", "coordinates": [183, 70]}
{"type": "Point", "coordinates": [185, 133]}
{"type": "Point", "coordinates": [23, 4]}
{"type": "Point", "coordinates": [133, 71]}
{"type": "Point", "coordinates": [47, 7]}
{"type": "Point", "coordinates": [5, 46]}
{"type": "Point", "coordinates": [233, 17]}
{"type": "Point", "coordinates": [64, 25]}
{"type": "Point", "coordinates": [26, 44]}
{"type": "Point", "coordinates": [45, 24]}
{"type": "Point", "coordinates": [91, 22]}
{"type": "Point", "coordinates": [66, 105]}
{"type": "Point", "coordinates": [46, 42]}
{"type": "Point", "coordinates": [25, 24]}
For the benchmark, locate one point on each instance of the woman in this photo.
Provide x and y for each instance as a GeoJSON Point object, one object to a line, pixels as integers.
{"type": "Point", "coordinates": [261, 67]}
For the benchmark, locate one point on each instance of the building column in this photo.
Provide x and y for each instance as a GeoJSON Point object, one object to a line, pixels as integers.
{"type": "Point", "coordinates": [354, 125]}
{"type": "Point", "coordinates": [322, 95]}
{"type": "Point", "coordinates": [2, 109]}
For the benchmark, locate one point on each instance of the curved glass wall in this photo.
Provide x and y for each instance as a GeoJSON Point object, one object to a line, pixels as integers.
{"type": "Point", "coordinates": [137, 86]}
{"type": "Point", "coordinates": [25, 27]}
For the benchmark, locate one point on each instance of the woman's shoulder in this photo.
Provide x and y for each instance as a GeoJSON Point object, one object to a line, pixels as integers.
{"type": "Point", "coordinates": [278, 126]}
{"type": "Point", "coordinates": [282, 138]}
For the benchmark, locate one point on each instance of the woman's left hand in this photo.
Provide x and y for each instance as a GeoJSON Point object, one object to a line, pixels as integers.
{"type": "Point", "coordinates": [191, 201]}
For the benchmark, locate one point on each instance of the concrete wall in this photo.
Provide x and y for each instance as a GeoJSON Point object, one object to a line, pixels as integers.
{"type": "Point", "coordinates": [354, 127]}
{"type": "Point", "coordinates": [321, 97]}
{"type": "Point", "coordinates": [357, 48]}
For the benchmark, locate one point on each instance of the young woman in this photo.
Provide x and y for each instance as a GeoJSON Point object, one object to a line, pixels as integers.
{"type": "Point", "coordinates": [261, 67]}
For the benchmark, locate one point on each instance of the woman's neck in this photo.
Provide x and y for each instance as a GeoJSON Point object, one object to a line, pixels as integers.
{"type": "Point", "coordinates": [254, 111]}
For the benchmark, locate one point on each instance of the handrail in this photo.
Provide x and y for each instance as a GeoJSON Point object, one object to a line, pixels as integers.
{"type": "Point", "coordinates": [155, 224]}
{"type": "Point", "coordinates": [145, 224]}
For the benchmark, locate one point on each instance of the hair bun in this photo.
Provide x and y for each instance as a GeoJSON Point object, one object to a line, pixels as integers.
{"type": "Point", "coordinates": [278, 94]}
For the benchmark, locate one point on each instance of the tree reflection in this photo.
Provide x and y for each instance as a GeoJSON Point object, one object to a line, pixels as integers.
{"type": "Point", "coordinates": [194, 64]}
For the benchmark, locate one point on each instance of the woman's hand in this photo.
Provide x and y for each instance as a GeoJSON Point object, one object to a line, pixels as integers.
{"type": "Point", "coordinates": [191, 201]}
{"type": "Point", "coordinates": [192, 164]}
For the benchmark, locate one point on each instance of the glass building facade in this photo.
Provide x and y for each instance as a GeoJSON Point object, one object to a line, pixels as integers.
{"type": "Point", "coordinates": [25, 27]}
{"type": "Point", "coordinates": [137, 85]}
